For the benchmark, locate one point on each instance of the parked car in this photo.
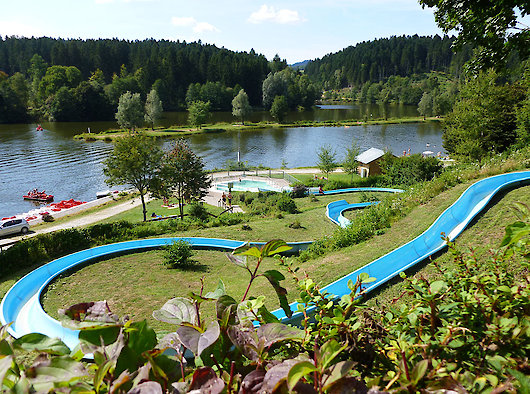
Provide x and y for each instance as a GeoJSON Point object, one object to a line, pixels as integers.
{"type": "Point", "coordinates": [13, 226]}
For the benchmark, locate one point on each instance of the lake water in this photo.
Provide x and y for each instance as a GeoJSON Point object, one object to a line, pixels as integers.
{"type": "Point", "coordinates": [52, 160]}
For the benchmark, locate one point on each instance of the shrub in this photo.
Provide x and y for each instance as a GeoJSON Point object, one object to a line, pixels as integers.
{"type": "Point", "coordinates": [409, 170]}
{"type": "Point", "coordinates": [299, 190]}
{"type": "Point", "coordinates": [179, 255]}
{"type": "Point", "coordinates": [198, 211]}
{"type": "Point", "coordinates": [296, 224]}
{"type": "Point", "coordinates": [287, 204]}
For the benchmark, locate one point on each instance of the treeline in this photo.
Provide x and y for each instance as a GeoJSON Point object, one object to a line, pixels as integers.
{"type": "Point", "coordinates": [108, 68]}
{"type": "Point", "coordinates": [375, 61]}
{"type": "Point", "coordinates": [433, 93]}
{"type": "Point", "coordinates": [82, 80]}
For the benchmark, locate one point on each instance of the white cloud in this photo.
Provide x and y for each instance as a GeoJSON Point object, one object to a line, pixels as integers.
{"type": "Point", "coordinates": [201, 27]}
{"type": "Point", "coordinates": [14, 28]}
{"type": "Point", "coordinates": [197, 27]}
{"type": "Point", "coordinates": [270, 14]}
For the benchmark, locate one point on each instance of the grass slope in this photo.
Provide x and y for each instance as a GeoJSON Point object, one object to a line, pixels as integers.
{"type": "Point", "coordinates": [140, 284]}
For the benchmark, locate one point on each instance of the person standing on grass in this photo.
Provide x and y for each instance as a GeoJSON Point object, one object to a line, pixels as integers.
{"type": "Point", "coordinates": [229, 199]}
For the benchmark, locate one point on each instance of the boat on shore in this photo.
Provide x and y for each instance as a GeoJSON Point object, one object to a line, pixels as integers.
{"type": "Point", "coordinates": [35, 195]}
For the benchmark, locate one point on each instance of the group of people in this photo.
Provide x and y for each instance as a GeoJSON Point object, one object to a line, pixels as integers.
{"type": "Point", "coordinates": [36, 193]}
{"type": "Point", "coordinates": [227, 198]}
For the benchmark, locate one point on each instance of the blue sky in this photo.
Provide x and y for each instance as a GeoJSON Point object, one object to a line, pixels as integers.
{"type": "Point", "coordinates": [295, 29]}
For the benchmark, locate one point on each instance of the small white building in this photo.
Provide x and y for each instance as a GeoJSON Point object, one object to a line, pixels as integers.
{"type": "Point", "coordinates": [369, 162]}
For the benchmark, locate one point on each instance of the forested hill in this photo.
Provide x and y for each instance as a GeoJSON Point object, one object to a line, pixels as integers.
{"type": "Point", "coordinates": [374, 61]}
{"type": "Point", "coordinates": [174, 64]}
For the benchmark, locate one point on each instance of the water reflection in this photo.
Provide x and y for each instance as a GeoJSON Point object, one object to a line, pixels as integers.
{"type": "Point", "coordinates": [52, 160]}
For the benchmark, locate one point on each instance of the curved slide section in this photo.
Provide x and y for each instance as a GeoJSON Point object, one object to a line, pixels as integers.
{"type": "Point", "coordinates": [335, 209]}
{"type": "Point", "coordinates": [21, 304]}
{"type": "Point", "coordinates": [452, 222]}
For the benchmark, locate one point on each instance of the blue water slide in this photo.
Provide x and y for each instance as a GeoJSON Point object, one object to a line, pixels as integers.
{"type": "Point", "coordinates": [21, 305]}
{"type": "Point", "coordinates": [335, 209]}
{"type": "Point", "coordinates": [451, 222]}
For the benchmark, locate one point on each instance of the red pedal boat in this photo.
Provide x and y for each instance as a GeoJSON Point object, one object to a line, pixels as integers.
{"type": "Point", "coordinates": [35, 195]}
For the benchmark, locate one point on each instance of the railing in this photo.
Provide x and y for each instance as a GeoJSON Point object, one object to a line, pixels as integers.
{"type": "Point", "coordinates": [236, 175]}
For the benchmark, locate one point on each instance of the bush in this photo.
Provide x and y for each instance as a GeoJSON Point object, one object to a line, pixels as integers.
{"type": "Point", "coordinates": [287, 204]}
{"type": "Point", "coordinates": [198, 211]}
{"type": "Point", "coordinates": [296, 224]}
{"type": "Point", "coordinates": [179, 255]}
{"type": "Point", "coordinates": [408, 170]}
{"type": "Point", "coordinates": [299, 190]}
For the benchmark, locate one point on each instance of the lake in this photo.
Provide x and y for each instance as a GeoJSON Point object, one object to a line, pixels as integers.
{"type": "Point", "coordinates": [52, 160]}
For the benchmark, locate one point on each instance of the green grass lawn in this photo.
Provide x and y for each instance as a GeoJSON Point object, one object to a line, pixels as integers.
{"type": "Point", "coordinates": [137, 284]}
{"type": "Point", "coordinates": [334, 176]}
{"type": "Point", "coordinates": [135, 215]}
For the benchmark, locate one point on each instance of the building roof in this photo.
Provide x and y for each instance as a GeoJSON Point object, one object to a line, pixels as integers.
{"type": "Point", "coordinates": [370, 155]}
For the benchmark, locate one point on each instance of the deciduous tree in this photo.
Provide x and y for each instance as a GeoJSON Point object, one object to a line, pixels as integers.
{"type": "Point", "coordinates": [183, 175]}
{"type": "Point", "coordinates": [135, 160]}
{"type": "Point", "coordinates": [350, 163]}
{"type": "Point", "coordinates": [483, 120]}
{"type": "Point", "coordinates": [279, 108]}
{"type": "Point", "coordinates": [198, 113]}
{"type": "Point", "coordinates": [130, 112]}
{"type": "Point", "coordinates": [326, 159]}
{"type": "Point", "coordinates": [153, 108]}
{"type": "Point", "coordinates": [494, 26]}
{"type": "Point", "coordinates": [240, 106]}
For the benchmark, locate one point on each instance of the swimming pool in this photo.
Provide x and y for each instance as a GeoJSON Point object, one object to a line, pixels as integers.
{"type": "Point", "coordinates": [248, 185]}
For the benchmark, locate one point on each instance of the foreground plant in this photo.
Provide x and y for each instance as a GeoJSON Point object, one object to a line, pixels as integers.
{"type": "Point", "coordinates": [466, 330]}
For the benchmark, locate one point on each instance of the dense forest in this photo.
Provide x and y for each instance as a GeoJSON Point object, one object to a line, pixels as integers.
{"type": "Point", "coordinates": [39, 67]}
{"type": "Point", "coordinates": [67, 80]}
{"type": "Point", "coordinates": [375, 61]}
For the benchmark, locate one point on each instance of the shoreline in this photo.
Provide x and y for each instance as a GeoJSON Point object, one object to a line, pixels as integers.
{"type": "Point", "coordinates": [176, 132]}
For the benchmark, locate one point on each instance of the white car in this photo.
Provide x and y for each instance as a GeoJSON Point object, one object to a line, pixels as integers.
{"type": "Point", "coordinates": [13, 226]}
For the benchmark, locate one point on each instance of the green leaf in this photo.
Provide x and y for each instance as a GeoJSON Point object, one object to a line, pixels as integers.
{"type": "Point", "coordinates": [273, 247]}
{"type": "Point", "coordinates": [95, 337]}
{"type": "Point", "coordinates": [56, 371]}
{"type": "Point", "coordinates": [419, 370]}
{"type": "Point", "coordinates": [6, 363]}
{"type": "Point", "coordinates": [272, 333]}
{"type": "Point", "coordinates": [523, 380]}
{"type": "Point", "coordinates": [177, 311]}
{"type": "Point", "coordinates": [220, 291]}
{"type": "Point", "coordinates": [328, 352]}
{"type": "Point", "coordinates": [438, 286]}
{"type": "Point", "coordinates": [247, 250]}
{"type": "Point", "coordinates": [267, 316]}
{"type": "Point", "coordinates": [298, 371]}
{"type": "Point", "coordinates": [102, 372]}
{"type": "Point", "coordinates": [226, 308]}
{"type": "Point", "coordinates": [238, 261]}
{"type": "Point", "coordinates": [274, 278]}
{"type": "Point", "coordinates": [197, 341]}
{"type": "Point", "coordinates": [338, 371]}
{"type": "Point", "coordinates": [141, 337]}
{"type": "Point", "coordinates": [41, 343]}
{"type": "Point", "coordinates": [515, 232]}
{"type": "Point", "coordinates": [456, 343]}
